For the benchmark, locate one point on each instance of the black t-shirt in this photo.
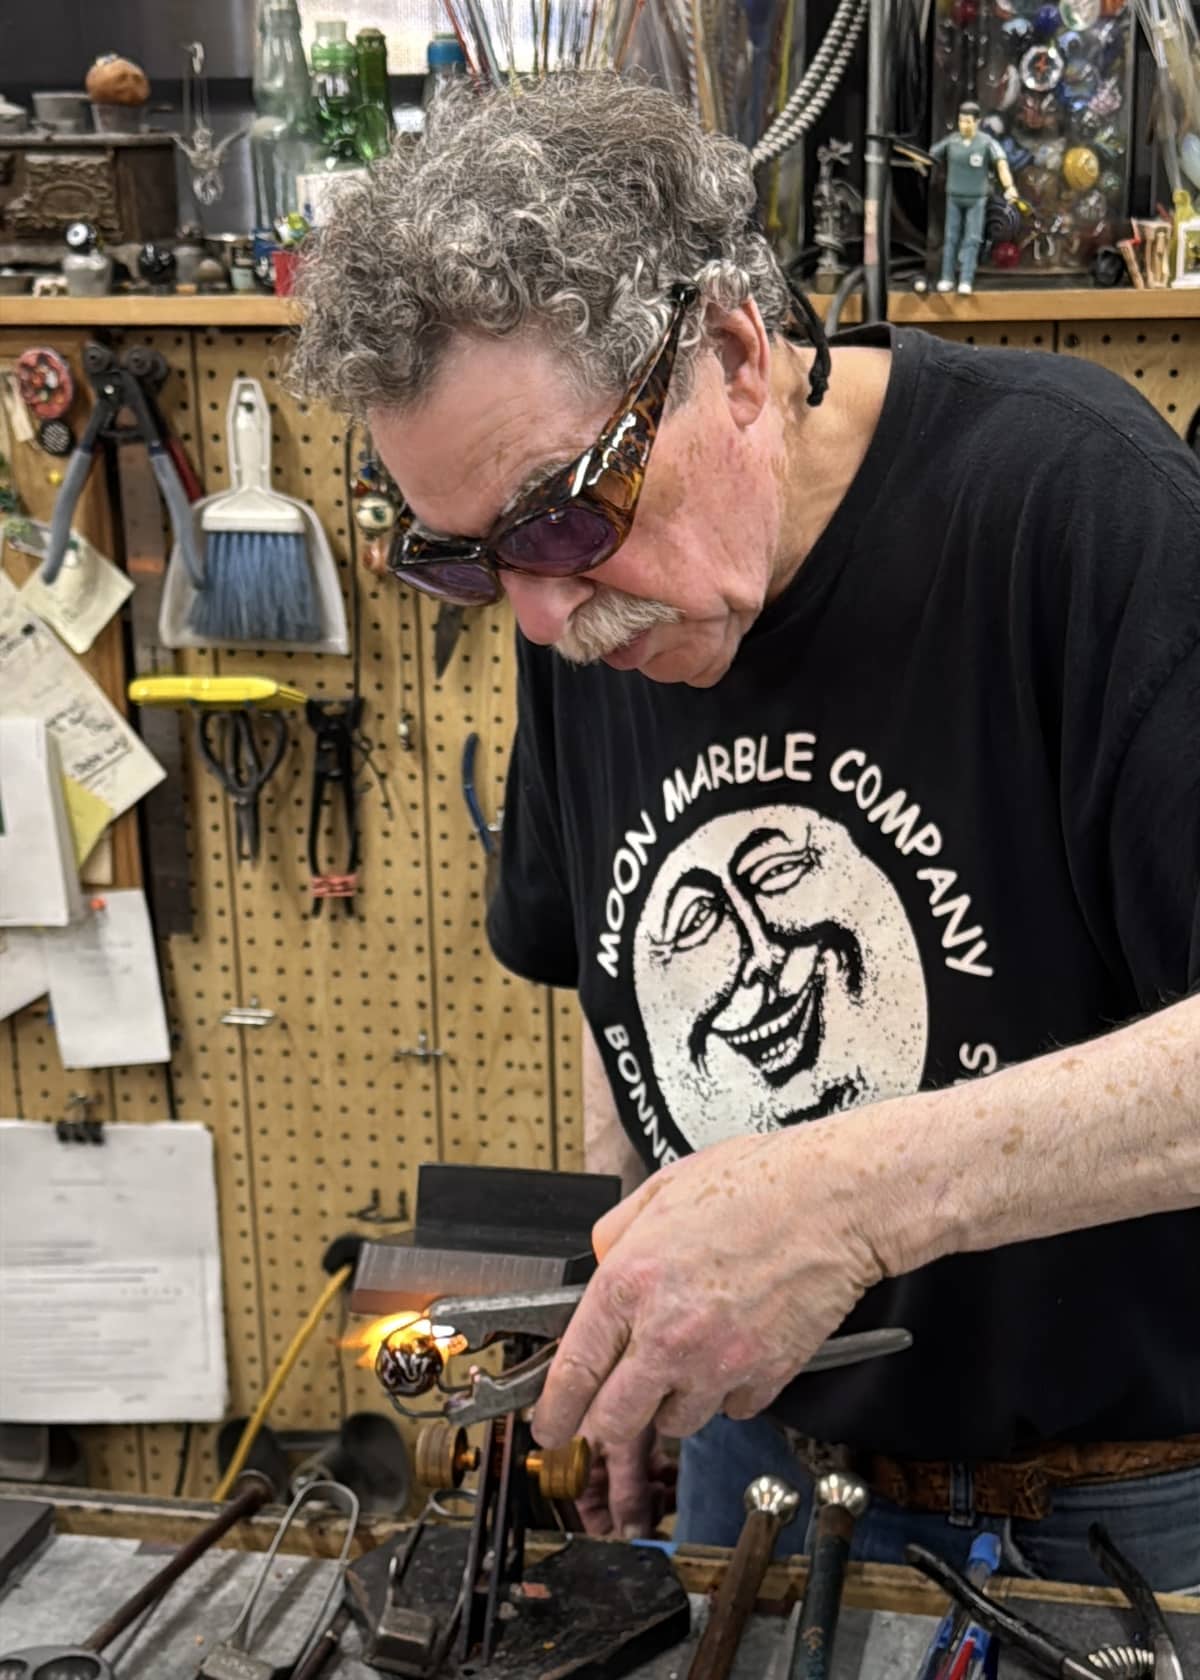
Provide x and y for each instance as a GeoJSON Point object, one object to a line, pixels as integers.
{"type": "Point", "coordinates": [941, 815]}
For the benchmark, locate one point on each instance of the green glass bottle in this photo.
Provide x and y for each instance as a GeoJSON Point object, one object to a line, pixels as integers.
{"type": "Point", "coordinates": [338, 95]}
{"type": "Point", "coordinates": [376, 126]}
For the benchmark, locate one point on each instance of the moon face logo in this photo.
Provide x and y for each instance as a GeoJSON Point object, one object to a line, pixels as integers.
{"type": "Point", "coordinates": [777, 975]}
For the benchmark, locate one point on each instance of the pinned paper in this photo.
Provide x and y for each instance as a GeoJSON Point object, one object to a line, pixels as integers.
{"type": "Point", "coordinates": [89, 816]}
{"type": "Point", "coordinates": [40, 679]}
{"type": "Point", "coordinates": [39, 877]}
{"type": "Point", "coordinates": [86, 594]}
{"type": "Point", "coordinates": [22, 970]}
{"type": "Point", "coordinates": [105, 993]}
{"type": "Point", "coordinates": [110, 1276]}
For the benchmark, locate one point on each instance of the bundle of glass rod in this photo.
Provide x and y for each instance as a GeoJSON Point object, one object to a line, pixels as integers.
{"type": "Point", "coordinates": [733, 61]}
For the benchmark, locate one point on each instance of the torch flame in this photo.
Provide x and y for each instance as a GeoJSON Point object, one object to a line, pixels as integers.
{"type": "Point", "coordinates": [399, 1328]}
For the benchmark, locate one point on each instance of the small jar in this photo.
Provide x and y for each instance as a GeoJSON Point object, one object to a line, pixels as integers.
{"type": "Point", "coordinates": [87, 270]}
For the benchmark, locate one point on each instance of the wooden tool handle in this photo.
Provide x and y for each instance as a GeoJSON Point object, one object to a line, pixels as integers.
{"type": "Point", "coordinates": [735, 1597]}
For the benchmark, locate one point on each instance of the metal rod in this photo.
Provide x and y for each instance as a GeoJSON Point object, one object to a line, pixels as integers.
{"type": "Point", "coordinates": [877, 181]}
{"type": "Point", "coordinates": [255, 1495]}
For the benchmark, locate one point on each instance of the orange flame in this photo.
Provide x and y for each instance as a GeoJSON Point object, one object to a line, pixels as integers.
{"type": "Point", "coordinates": [403, 1327]}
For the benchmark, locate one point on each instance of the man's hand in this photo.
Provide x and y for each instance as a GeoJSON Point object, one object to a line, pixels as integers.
{"type": "Point", "coordinates": [718, 1280]}
{"type": "Point", "coordinates": [630, 1490]}
{"type": "Point", "coordinates": [1011, 195]}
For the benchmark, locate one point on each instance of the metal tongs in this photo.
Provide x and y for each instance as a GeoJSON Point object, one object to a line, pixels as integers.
{"type": "Point", "coordinates": [233, 1659]}
{"type": "Point", "coordinates": [544, 1314]}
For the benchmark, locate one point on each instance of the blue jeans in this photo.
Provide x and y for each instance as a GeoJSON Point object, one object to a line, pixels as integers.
{"type": "Point", "coordinates": [1155, 1520]}
{"type": "Point", "coordinates": [962, 237]}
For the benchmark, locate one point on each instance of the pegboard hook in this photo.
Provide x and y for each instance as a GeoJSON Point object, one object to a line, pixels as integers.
{"type": "Point", "coordinates": [423, 1051]}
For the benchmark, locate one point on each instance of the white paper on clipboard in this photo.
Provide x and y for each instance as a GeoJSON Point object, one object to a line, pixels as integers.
{"type": "Point", "coordinates": [110, 1276]}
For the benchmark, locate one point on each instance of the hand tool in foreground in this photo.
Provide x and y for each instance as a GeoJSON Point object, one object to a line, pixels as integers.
{"type": "Point", "coordinates": [770, 1506]}
{"type": "Point", "coordinates": [840, 1499]}
{"type": "Point", "coordinates": [118, 389]}
{"type": "Point", "coordinates": [1041, 1650]}
{"type": "Point", "coordinates": [84, 1661]}
{"type": "Point", "coordinates": [411, 1359]}
{"type": "Point", "coordinates": [233, 1658]}
{"type": "Point", "coordinates": [983, 1560]}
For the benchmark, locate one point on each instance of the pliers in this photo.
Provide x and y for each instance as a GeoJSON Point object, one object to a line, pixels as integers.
{"type": "Point", "coordinates": [231, 752]}
{"type": "Point", "coordinates": [542, 1315]}
{"type": "Point", "coordinates": [1155, 1653]}
{"type": "Point", "coordinates": [118, 386]}
{"type": "Point", "coordinates": [336, 726]}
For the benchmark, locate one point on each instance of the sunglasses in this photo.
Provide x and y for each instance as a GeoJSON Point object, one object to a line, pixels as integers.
{"type": "Point", "coordinates": [571, 524]}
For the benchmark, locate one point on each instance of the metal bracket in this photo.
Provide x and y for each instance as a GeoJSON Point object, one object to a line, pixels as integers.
{"type": "Point", "coordinates": [421, 1052]}
{"type": "Point", "coordinates": [248, 1015]}
{"type": "Point", "coordinates": [373, 1213]}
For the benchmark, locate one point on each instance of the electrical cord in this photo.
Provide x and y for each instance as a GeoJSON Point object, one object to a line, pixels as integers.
{"type": "Point", "coordinates": [280, 1375]}
{"type": "Point", "coordinates": [818, 84]}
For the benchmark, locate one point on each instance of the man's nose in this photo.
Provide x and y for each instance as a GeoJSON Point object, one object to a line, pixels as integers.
{"type": "Point", "coordinates": [543, 605]}
{"type": "Point", "coordinates": [763, 958]}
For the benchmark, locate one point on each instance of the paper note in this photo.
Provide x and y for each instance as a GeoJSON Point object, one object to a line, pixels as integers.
{"type": "Point", "coordinates": [88, 815]}
{"type": "Point", "coordinates": [39, 678]}
{"type": "Point", "coordinates": [87, 592]}
{"type": "Point", "coordinates": [39, 877]}
{"type": "Point", "coordinates": [105, 994]}
{"type": "Point", "coordinates": [110, 1276]}
{"type": "Point", "coordinates": [22, 970]}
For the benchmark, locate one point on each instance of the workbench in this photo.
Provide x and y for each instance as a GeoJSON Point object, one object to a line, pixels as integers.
{"type": "Point", "coordinates": [106, 1548]}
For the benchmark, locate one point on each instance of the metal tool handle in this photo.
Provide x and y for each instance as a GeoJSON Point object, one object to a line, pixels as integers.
{"type": "Point", "coordinates": [1138, 1591]}
{"type": "Point", "coordinates": [331, 1493]}
{"type": "Point", "coordinates": [69, 491]}
{"type": "Point", "coordinates": [254, 1495]}
{"type": "Point", "coordinates": [180, 511]}
{"type": "Point", "coordinates": [813, 1656]}
{"type": "Point", "coordinates": [1045, 1653]}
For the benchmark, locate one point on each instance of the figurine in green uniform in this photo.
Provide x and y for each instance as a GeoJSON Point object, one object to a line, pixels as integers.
{"type": "Point", "coordinates": [970, 156]}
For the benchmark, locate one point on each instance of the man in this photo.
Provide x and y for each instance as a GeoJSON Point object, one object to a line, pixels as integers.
{"type": "Point", "coordinates": [970, 157]}
{"type": "Point", "coordinates": [855, 788]}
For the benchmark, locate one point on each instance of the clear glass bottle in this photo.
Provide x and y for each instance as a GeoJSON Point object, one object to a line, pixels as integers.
{"type": "Point", "coordinates": [444, 56]}
{"type": "Point", "coordinates": [338, 95]}
{"type": "Point", "coordinates": [376, 127]}
{"type": "Point", "coordinates": [283, 136]}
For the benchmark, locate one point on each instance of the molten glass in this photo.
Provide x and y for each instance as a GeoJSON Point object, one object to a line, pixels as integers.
{"type": "Point", "coordinates": [406, 1351]}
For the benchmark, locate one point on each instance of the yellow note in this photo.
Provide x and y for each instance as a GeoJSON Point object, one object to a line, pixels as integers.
{"type": "Point", "coordinates": [88, 814]}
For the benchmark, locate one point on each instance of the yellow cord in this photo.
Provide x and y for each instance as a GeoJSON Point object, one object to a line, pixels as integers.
{"type": "Point", "coordinates": [280, 1376]}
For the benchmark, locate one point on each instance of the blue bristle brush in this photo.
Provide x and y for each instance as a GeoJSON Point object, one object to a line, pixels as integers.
{"type": "Point", "coordinates": [258, 577]}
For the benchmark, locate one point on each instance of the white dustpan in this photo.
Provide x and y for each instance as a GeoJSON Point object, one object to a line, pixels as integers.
{"type": "Point", "coordinates": [179, 590]}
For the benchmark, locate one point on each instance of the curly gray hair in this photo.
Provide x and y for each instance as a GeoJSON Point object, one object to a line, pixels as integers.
{"type": "Point", "coordinates": [567, 209]}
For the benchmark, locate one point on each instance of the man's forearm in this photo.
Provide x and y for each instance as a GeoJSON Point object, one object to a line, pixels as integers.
{"type": "Point", "coordinates": [606, 1144]}
{"type": "Point", "coordinates": [1103, 1131]}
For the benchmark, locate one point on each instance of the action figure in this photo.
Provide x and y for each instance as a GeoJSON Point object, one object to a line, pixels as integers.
{"type": "Point", "coordinates": [971, 156]}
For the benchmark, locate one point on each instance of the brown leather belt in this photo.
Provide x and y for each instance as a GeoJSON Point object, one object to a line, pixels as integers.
{"type": "Point", "coordinates": [1019, 1487]}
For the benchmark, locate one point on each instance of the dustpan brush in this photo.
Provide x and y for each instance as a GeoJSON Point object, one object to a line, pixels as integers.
{"type": "Point", "coordinates": [258, 576]}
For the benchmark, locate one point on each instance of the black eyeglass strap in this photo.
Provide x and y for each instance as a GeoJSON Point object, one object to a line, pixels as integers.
{"type": "Point", "coordinates": [818, 379]}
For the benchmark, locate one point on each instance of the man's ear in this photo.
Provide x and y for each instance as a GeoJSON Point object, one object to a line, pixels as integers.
{"type": "Point", "coordinates": [744, 351]}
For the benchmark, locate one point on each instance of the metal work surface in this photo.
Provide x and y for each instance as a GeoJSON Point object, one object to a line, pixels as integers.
{"type": "Point", "coordinates": [78, 1579]}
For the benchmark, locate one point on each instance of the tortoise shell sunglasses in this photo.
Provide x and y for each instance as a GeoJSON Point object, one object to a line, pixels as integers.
{"type": "Point", "coordinates": [580, 517]}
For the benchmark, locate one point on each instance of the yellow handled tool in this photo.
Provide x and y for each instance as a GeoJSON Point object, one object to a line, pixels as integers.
{"type": "Point", "coordinates": [228, 693]}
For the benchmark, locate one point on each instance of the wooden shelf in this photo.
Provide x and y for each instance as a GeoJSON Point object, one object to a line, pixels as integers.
{"type": "Point", "coordinates": [929, 309]}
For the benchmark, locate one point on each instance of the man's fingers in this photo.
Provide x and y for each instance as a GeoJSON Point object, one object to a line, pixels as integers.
{"type": "Point", "coordinates": [685, 1413]}
{"type": "Point", "coordinates": [607, 1232]}
{"type": "Point", "coordinates": [592, 1345]}
{"type": "Point", "coordinates": [628, 1401]}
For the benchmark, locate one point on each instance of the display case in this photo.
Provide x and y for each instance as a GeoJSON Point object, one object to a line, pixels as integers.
{"type": "Point", "coordinates": [1054, 87]}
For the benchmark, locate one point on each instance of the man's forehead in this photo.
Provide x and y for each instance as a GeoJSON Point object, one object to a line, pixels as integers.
{"type": "Point", "coordinates": [501, 417]}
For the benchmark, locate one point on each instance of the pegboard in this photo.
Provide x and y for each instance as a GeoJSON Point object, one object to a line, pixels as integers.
{"type": "Point", "coordinates": [998, 335]}
{"type": "Point", "coordinates": [1160, 358]}
{"type": "Point", "coordinates": [396, 1037]}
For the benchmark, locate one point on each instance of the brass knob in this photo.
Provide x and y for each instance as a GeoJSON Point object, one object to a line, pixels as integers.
{"type": "Point", "coordinates": [562, 1472]}
{"type": "Point", "coordinates": [442, 1456]}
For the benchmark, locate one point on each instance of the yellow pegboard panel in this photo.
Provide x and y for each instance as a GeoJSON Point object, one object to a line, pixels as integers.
{"type": "Point", "coordinates": [495, 1030]}
{"type": "Point", "coordinates": [1161, 359]}
{"type": "Point", "coordinates": [333, 1115]}
{"type": "Point", "coordinates": [568, 1083]}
